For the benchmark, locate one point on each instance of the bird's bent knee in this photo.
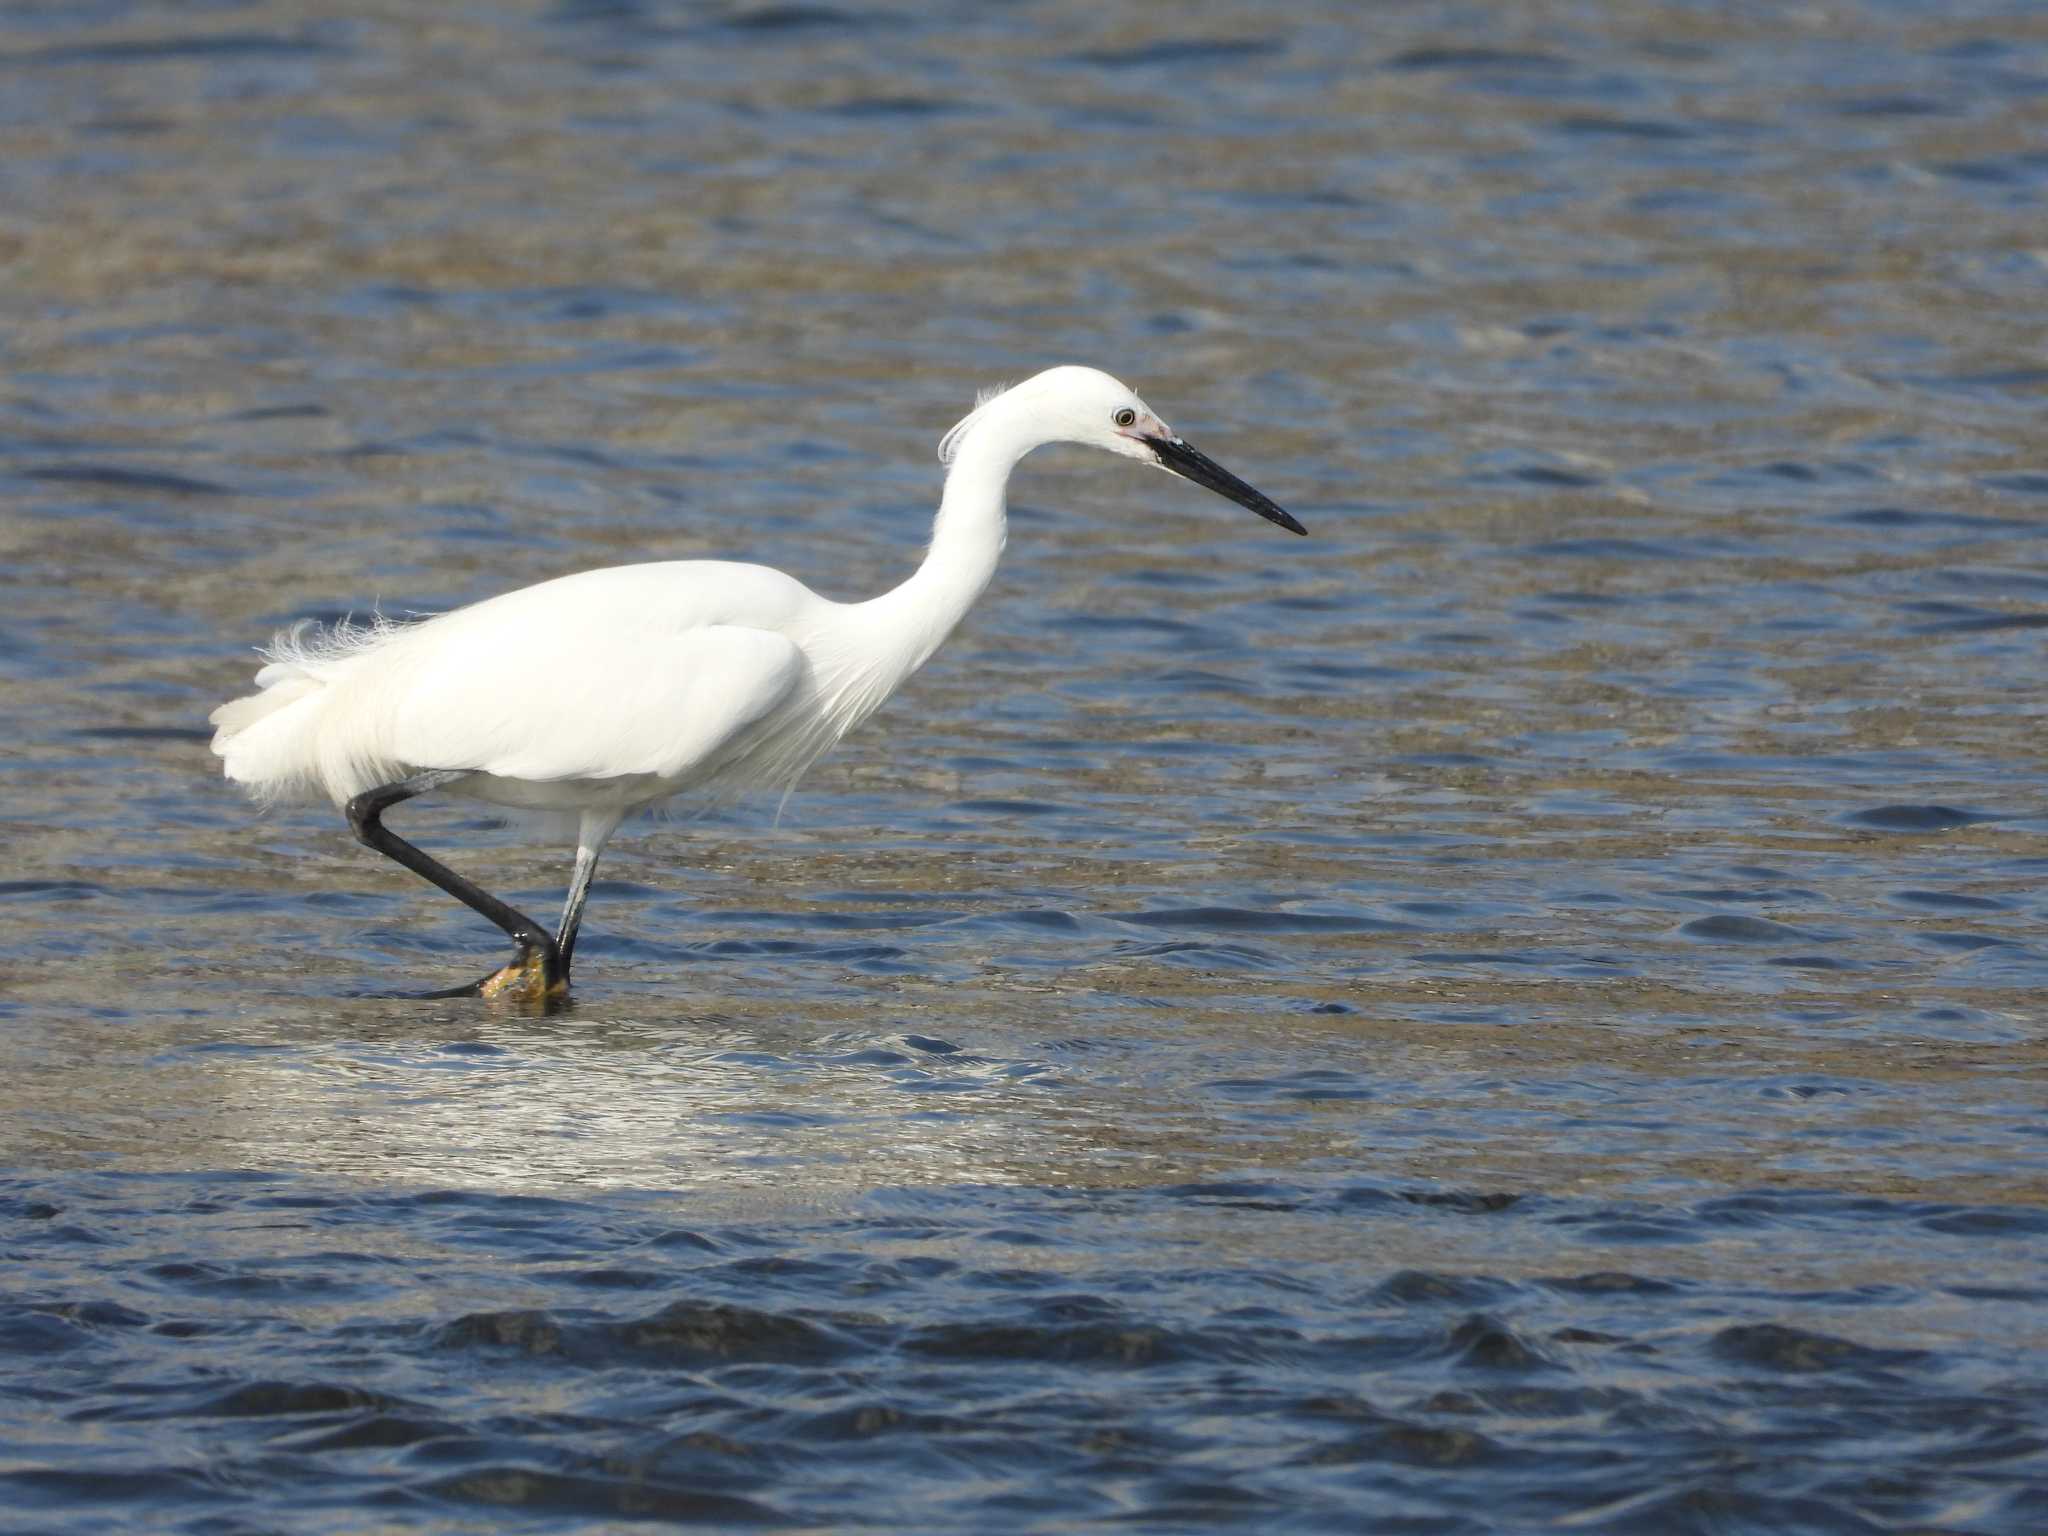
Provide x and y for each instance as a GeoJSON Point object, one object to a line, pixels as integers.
{"type": "Point", "coordinates": [362, 813]}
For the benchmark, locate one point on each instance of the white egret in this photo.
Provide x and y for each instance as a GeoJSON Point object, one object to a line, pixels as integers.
{"type": "Point", "coordinates": [607, 692]}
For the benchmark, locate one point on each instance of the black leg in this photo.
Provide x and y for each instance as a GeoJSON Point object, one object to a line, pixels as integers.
{"type": "Point", "coordinates": [537, 952]}
{"type": "Point", "coordinates": [572, 909]}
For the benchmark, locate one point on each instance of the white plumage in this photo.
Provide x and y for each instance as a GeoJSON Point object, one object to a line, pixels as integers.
{"type": "Point", "coordinates": [606, 692]}
{"type": "Point", "coordinates": [612, 677]}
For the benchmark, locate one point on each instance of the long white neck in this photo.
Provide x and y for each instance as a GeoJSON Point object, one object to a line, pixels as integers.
{"type": "Point", "coordinates": [967, 540]}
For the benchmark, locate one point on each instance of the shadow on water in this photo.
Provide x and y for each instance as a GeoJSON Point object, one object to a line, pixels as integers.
{"type": "Point", "coordinates": [1522, 1010]}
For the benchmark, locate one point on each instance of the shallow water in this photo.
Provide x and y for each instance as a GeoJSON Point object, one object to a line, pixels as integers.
{"type": "Point", "coordinates": [1522, 1010]}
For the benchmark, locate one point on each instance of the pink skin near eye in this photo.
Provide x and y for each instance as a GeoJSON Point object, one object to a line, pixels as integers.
{"type": "Point", "coordinates": [1147, 425]}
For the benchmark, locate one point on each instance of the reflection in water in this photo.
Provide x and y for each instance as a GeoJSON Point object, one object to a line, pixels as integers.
{"type": "Point", "coordinates": [627, 1104]}
{"type": "Point", "coordinates": [1526, 1016]}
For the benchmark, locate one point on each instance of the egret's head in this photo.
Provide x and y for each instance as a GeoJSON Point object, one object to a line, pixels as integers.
{"type": "Point", "coordinates": [1086, 405]}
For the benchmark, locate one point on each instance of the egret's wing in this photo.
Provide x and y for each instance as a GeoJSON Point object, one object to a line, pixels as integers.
{"type": "Point", "coordinates": [606, 702]}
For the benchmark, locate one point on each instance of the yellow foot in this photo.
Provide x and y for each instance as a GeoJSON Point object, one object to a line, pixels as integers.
{"type": "Point", "coordinates": [525, 980]}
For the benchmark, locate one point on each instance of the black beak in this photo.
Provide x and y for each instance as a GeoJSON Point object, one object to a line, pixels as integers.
{"type": "Point", "coordinates": [1203, 470]}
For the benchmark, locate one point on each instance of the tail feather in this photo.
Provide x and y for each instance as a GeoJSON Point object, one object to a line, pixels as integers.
{"type": "Point", "coordinates": [266, 740]}
{"type": "Point", "coordinates": [238, 715]}
{"type": "Point", "coordinates": [274, 742]}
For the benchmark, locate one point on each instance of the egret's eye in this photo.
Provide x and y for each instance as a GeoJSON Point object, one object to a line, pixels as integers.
{"type": "Point", "coordinates": [1124, 417]}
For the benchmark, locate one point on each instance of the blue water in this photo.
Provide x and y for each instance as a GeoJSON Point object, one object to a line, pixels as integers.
{"type": "Point", "coordinates": [1164, 1357]}
{"type": "Point", "coordinates": [1520, 1011]}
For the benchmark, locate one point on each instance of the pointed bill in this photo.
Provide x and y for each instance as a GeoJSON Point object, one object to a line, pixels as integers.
{"type": "Point", "coordinates": [1174, 454]}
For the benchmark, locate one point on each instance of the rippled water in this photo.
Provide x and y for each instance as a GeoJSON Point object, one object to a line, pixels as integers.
{"type": "Point", "coordinates": [1522, 1010]}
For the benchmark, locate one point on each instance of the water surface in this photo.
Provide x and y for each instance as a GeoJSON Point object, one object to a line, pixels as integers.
{"type": "Point", "coordinates": [1521, 1011]}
